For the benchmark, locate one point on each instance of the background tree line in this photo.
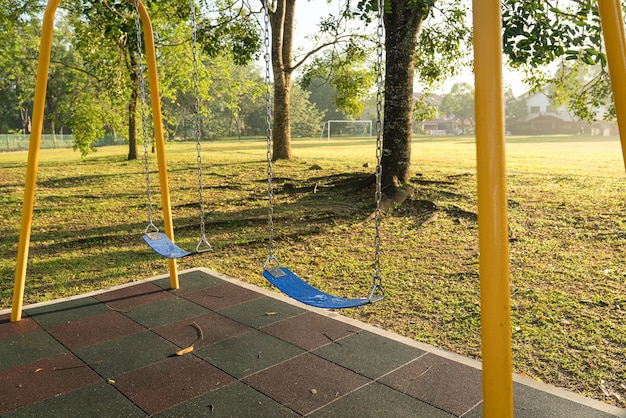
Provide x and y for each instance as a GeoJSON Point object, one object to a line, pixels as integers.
{"type": "Point", "coordinates": [94, 78]}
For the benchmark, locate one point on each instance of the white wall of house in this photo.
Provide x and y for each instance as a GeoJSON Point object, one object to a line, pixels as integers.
{"type": "Point", "coordinates": [539, 104]}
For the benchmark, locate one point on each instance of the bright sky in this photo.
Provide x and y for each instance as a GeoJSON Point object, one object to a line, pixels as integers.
{"type": "Point", "coordinates": [309, 12]}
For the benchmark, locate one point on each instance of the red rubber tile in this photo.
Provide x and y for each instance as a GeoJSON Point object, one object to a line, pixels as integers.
{"type": "Point", "coordinates": [215, 328]}
{"type": "Point", "coordinates": [446, 384]}
{"type": "Point", "coordinates": [10, 329]}
{"type": "Point", "coordinates": [306, 383]}
{"type": "Point", "coordinates": [43, 379]}
{"type": "Point", "coordinates": [170, 382]}
{"type": "Point", "coordinates": [94, 330]}
{"type": "Point", "coordinates": [310, 330]}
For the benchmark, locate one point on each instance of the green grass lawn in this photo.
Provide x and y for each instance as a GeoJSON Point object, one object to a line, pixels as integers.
{"type": "Point", "coordinates": [567, 212]}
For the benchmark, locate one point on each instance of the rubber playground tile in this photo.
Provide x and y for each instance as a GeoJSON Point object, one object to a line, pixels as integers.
{"type": "Point", "coordinates": [310, 330]}
{"type": "Point", "coordinates": [261, 312]}
{"type": "Point", "coordinates": [369, 354]}
{"type": "Point", "coordinates": [162, 385]}
{"type": "Point", "coordinates": [443, 383]}
{"type": "Point", "coordinates": [306, 383]}
{"type": "Point", "coordinates": [222, 296]}
{"type": "Point", "coordinates": [201, 331]}
{"type": "Point", "coordinates": [99, 400]}
{"type": "Point", "coordinates": [94, 330]}
{"type": "Point", "coordinates": [190, 282]}
{"type": "Point", "coordinates": [164, 312]}
{"type": "Point", "coordinates": [254, 351]}
{"type": "Point", "coordinates": [375, 401]}
{"type": "Point", "coordinates": [126, 354]}
{"type": "Point", "coordinates": [531, 403]}
{"type": "Point", "coordinates": [43, 379]}
{"type": "Point", "coordinates": [72, 310]}
{"type": "Point", "coordinates": [131, 296]}
{"type": "Point", "coordinates": [27, 348]}
{"type": "Point", "coordinates": [234, 400]}
{"type": "Point", "coordinates": [10, 329]}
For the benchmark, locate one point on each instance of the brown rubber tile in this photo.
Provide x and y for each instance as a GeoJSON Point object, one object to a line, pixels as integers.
{"type": "Point", "coordinates": [94, 330]}
{"type": "Point", "coordinates": [131, 296]}
{"type": "Point", "coordinates": [43, 379]}
{"type": "Point", "coordinates": [445, 384]}
{"type": "Point", "coordinates": [215, 328]}
{"type": "Point", "coordinates": [10, 329]}
{"type": "Point", "coordinates": [306, 383]}
{"type": "Point", "coordinates": [167, 383]}
{"type": "Point", "coordinates": [310, 330]}
{"type": "Point", "coordinates": [222, 296]}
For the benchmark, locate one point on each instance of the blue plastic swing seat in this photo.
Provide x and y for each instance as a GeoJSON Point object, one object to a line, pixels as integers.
{"type": "Point", "coordinates": [162, 245]}
{"type": "Point", "coordinates": [287, 282]}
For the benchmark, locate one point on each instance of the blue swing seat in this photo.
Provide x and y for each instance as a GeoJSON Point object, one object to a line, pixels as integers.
{"type": "Point", "coordinates": [290, 284]}
{"type": "Point", "coordinates": [162, 245]}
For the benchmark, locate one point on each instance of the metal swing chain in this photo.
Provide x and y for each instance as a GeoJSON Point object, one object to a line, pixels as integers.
{"type": "Point", "coordinates": [268, 118]}
{"type": "Point", "coordinates": [203, 240]}
{"type": "Point", "coordinates": [144, 118]}
{"type": "Point", "coordinates": [377, 291]}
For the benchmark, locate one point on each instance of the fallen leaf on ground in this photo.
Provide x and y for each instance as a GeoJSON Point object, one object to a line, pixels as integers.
{"type": "Point", "coordinates": [185, 350]}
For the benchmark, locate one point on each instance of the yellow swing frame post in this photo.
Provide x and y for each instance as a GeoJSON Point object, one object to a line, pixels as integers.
{"type": "Point", "coordinates": [495, 304]}
{"type": "Point", "coordinates": [491, 172]}
{"type": "Point", "coordinates": [35, 144]}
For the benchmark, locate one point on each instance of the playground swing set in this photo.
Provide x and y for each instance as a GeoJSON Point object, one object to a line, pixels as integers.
{"type": "Point", "coordinates": [492, 200]}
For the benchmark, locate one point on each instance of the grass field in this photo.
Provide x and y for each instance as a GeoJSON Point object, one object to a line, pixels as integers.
{"type": "Point", "coordinates": [567, 231]}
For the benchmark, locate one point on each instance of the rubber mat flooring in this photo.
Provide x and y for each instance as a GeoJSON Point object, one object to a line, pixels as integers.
{"type": "Point", "coordinates": [255, 354]}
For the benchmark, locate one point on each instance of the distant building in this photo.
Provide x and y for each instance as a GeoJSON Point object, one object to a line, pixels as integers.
{"type": "Point", "coordinates": [441, 124]}
{"type": "Point", "coordinates": [542, 118]}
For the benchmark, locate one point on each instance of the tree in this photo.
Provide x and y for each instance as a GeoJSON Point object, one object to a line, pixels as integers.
{"type": "Point", "coordinates": [515, 109]}
{"type": "Point", "coordinates": [460, 103]}
{"type": "Point", "coordinates": [307, 118]}
{"type": "Point", "coordinates": [442, 49]}
{"type": "Point", "coordinates": [537, 34]}
{"type": "Point", "coordinates": [322, 94]}
{"type": "Point", "coordinates": [348, 76]}
{"type": "Point", "coordinates": [106, 38]}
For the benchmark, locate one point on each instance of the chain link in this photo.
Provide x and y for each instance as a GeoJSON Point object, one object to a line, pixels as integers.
{"type": "Point", "coordinates": [268, 118]}
{"type": "Point", "coordinates": [144, 117]}
{"type": "Point", "coordinates": [377, 276]}
{"type": "Point", "coordinates": [197, 127]}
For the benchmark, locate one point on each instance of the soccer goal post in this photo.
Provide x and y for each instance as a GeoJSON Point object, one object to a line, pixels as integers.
{"type": "Point", "coordinates": [327, 126]}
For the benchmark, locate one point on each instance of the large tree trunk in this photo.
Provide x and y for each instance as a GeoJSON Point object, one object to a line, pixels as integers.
{"type": "Point", "coordinates": [132, 125]}
{"type": "Point", "coordinates": [401, 28]}
{"type": "Point", "coordinates": [282, 22]}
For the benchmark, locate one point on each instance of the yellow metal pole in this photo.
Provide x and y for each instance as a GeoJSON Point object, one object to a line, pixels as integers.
{"type": "Point", "coordinates": [495, 306]}
{"type": "Point", "coordinates": [613, 32]}
{"type": "Point", "coordinates": [155, 97]}
{"type": "Point", "coordinates": [33, 158]}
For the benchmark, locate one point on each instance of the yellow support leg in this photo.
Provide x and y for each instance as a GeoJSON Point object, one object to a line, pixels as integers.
{"type": "Point", "coordinates": [159, 141]}
{"type": "Point", "coordinates": [33, 158]}
{"type": "Point", "coordinates": [495, 305]}
{"type": "Point", "coordinates": [613, 32]}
